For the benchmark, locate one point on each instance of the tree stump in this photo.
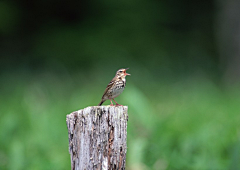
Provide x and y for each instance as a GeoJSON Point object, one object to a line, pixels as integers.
{"type": "Point", "coordinates": [98, 137]}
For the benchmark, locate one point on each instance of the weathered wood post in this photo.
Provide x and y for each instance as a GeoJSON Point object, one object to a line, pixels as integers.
{"type": "Point", "coordinates": [98, 138]}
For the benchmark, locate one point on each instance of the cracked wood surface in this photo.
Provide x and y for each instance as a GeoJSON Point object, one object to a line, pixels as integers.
{"type": "Point", "coordinates": [98, 138]}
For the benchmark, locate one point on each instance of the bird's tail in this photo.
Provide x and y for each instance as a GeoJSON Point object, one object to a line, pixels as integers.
{"type": "Point", "coordinates": [101, 102]}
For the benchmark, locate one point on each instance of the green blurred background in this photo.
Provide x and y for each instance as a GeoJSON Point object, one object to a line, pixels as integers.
{"type": "Point", "coordinates": [183, 94]}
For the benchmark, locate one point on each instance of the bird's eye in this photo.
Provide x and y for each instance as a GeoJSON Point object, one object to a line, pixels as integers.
{"type": "Point", "coordinates": [120, 71]}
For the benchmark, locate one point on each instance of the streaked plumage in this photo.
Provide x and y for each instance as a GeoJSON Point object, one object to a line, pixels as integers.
{"type": "Point", "coordinates": [115, 87]}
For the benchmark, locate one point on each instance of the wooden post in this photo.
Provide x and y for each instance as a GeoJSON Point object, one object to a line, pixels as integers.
{"type": "Point", "coordinates": [98, 138]}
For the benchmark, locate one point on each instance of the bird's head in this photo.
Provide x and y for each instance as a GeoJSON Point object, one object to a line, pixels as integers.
{"type": "Point", "coordinates": [122, 72]}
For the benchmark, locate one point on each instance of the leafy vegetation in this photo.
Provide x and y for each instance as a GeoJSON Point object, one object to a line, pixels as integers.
{"type": "Point", "coordinates": [188, 124]}
{"type": "Point", "coordinates": [58, 56]}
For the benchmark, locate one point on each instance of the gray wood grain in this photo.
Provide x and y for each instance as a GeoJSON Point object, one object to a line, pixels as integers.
{"type": "Point", "coordinates": [98, 137]}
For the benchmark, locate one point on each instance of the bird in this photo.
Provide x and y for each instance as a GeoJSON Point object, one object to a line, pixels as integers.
{"type": "Point", "coordinates": [115, 87]}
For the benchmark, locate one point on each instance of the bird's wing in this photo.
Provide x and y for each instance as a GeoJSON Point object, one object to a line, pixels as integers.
{"type": "Point", "coordinates": [109, 86]}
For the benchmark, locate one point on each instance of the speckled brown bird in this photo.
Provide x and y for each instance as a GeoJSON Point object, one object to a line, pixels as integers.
{"type": "Point", "coordinates": [115, 87]}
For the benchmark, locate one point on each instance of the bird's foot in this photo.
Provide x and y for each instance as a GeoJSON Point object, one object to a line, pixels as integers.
{"type": "Point", "coordinates": [117, 103]}
{"type": "Point", "coordinates": [111, 104]}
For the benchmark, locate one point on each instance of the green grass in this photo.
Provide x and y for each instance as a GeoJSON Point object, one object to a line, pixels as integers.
{"type": "Point", "coordinates": [188, 124]}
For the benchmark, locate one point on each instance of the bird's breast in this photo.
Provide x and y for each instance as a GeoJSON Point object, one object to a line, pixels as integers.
{"type": "Point", "coordinates": [118, 89]}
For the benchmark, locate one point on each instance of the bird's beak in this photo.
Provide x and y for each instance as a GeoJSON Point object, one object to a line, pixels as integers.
{"type": "Point", "coordinates": [126, 74]}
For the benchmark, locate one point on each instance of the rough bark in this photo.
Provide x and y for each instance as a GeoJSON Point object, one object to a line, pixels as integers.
{"type": "Point", "coordinates": [97, 137]}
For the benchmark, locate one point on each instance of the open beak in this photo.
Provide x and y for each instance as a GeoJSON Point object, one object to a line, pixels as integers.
{"type": "Point", "coordinates": [126, 74]}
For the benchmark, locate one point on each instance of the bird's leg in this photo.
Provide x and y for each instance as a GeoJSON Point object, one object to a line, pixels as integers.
{"type": "Point", "coordinates": [117, 103]}
{"type": "Point", "coordinates": [111, 102]}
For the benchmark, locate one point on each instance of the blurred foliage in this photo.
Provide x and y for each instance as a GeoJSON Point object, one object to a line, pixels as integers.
{"type": "Point", "coordinates": [189, 124]}
{"type": "Point", "coordinates": [58, 56]}
{"type": "Point", "coordinates": [167, 37]}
